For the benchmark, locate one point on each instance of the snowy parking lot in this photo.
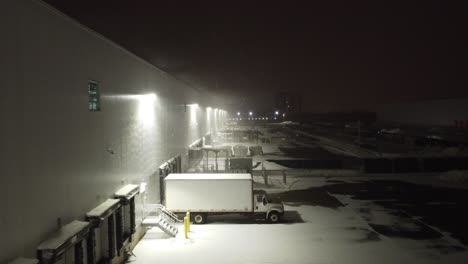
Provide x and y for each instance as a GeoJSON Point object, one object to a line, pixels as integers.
{"type": "Point", "coordinates": [322, 224]}
{"type": "Point", "coordinates": [332, 216]}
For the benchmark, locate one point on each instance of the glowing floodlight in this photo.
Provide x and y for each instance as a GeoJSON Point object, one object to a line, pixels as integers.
{"type": "Point", "coordinates": [193, 114]}
{"type": "Point", "coordinates": [208, 114]}
{"type": "Point", "coordinates": [146, 104]}
{"type": "Point", "coordinates": [250, 113]}
{"type": "Point", "coordinates": [276, 112]}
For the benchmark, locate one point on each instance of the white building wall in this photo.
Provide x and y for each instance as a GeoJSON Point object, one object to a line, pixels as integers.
{"type": "Point", "coordinates": [57, 159]}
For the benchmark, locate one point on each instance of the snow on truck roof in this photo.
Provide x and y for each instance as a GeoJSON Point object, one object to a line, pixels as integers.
{"type": "Point", "coordinates": [209, 176]}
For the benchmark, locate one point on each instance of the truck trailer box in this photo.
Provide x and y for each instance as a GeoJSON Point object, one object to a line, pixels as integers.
{"type": "Point", "coordinates": [211, 192]}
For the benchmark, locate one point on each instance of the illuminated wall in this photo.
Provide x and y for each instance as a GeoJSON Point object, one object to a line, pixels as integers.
{"type": "Point", "coordinates": [58, 159]}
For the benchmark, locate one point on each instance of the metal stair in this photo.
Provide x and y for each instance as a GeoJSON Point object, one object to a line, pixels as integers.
{"type": "Point", "coordinates": [157, 215]}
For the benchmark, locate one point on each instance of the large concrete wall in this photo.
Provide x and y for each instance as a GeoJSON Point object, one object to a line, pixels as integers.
{"type": "Point", "coordinates": [431, 112]}
{"type": "Point", "coordinates": [59, 160]}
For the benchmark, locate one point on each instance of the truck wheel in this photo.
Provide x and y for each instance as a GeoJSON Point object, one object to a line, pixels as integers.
{"type": "Point", "coordinates": [199, 218]}
{"type": "Point", "coordinates": [273, 217]}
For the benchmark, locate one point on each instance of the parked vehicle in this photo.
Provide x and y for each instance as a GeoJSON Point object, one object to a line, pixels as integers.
{"type": "Point", "coordinates": [218, 193]}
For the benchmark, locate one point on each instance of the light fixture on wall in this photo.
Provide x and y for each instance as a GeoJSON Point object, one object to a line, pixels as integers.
{"type": "Point", "coordinates": [193, 114]}
{"type": "Point", "coordinates": [208, 114]}
{"type": "Point", "coordinates": [146, 105]}
{"type": "Point", "coordinates": [142, 186]}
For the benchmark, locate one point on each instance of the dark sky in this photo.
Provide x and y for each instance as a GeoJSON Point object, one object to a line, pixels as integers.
{"type": "Point", "coordinates": [337, 54]}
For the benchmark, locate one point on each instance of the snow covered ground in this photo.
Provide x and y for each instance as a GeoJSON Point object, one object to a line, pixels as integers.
{"type": "Point", "coordinates": [342, 229]}
{"type": "Point", "coordinates": [315, 235]}
{"type": "Point", "coordinates": [308, 234]}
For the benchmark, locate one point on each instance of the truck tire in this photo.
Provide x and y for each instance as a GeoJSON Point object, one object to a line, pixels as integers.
{"type": "Point", "coordinates": [199, 218]}
{"type": "Point", "coordinates": [273, 217]}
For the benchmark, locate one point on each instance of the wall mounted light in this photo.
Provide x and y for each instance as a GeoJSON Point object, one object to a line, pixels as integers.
{"type": "Point", "coordinates": [193, 114]}
{"type": "Point", "coordinates": [208, 114]}
{"type": "Point", "coordinates": [146, 105]}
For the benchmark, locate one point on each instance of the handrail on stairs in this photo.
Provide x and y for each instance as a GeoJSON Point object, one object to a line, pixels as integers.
{"type": "Point", "coordinates": [159, 209]}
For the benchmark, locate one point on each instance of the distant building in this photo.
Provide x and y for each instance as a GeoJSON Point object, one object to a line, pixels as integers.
{"type": "Point", "coordinates": [288, 102]}
{"type": "Point", "coordinates": [443, 112]}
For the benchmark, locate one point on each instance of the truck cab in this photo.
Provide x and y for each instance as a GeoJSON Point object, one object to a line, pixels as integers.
{"type": "Point", "coordinates": [264, 204]}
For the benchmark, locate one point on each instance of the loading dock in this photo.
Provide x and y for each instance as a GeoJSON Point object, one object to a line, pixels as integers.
{"type": "Point", "coordinates": [102, 247]}
{"type": "Point", "coordinates": [125, 218]}
{"type": "Point", "coordinates": [59, 245]}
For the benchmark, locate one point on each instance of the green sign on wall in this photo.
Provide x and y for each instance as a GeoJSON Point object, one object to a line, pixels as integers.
{"type": "Point", "coordinates": [94, 103]}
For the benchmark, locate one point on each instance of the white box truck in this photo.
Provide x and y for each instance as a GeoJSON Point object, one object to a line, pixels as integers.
{"type": "Point", "coordinates": [218, 193]}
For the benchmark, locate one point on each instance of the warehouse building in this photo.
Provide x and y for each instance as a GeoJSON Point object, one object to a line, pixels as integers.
{"type": "Point", "coordinates": [81, 118]}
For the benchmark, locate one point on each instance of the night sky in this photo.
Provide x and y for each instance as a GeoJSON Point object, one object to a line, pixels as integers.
{"type": "Point", "coordinates": [337, 54]}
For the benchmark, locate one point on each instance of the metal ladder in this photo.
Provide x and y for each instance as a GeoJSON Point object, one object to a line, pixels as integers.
{"type": "Point", "coordinates": [158, 215]}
